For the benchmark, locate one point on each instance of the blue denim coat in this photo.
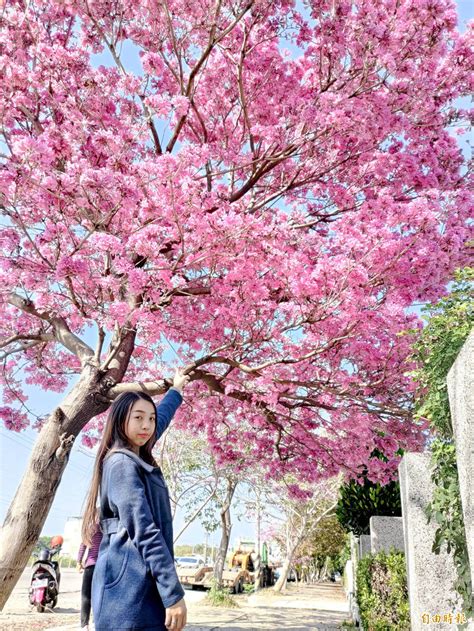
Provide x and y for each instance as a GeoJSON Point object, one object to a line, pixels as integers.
{"type": "Point", "coordinates": [135, 576]}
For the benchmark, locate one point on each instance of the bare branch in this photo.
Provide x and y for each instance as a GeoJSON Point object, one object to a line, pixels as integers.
{"type": "Point", "coordinates": [213, 40]}
{"type": "Point", "coordinates": [152, 388]}
{"type": "Point", "coordinates": [19, 349]}
{"type": "Point", "coordinates": [195, 514]}
{"type": "Point", "coordinates": [40, 337]}
{"type": "Point", "coordinates": [62, 332]}
{"type": "Point", "coordinates": [218, 359]}
{"type": "Point", "coordinates": [100, 344]}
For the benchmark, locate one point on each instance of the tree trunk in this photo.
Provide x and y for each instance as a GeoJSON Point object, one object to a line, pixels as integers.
{"type": "Point", "coordinates": [258, 559]}
{"type": "Point", "coordinates": [225, 537]}
{"type": "Point", "coordinates": [204, 554]}
{"type": "Point", "coordinates": [281, 582]}
{"type": "Point", "coordinates": [324, 571]}
{"type": "Point", "coordinates": [35, 494]}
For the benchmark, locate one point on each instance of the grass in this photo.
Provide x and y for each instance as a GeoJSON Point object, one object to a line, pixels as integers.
{"type": "Point", "coordinates": [220, 597]}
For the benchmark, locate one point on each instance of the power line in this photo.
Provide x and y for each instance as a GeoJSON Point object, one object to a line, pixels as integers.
{"type": "Point", "coordinates": [84, 451]}
{"type": "Point", "coordinates": [28, 443]}
{"type": "Point", "coordinates": [7, 502]}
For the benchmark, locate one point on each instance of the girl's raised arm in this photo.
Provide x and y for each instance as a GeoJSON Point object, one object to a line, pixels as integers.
{"type": "Point", "coordinates": [170, 403]}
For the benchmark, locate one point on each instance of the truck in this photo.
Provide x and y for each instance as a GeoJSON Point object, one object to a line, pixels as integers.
{"type": "Point", "coordinates": [203, 577]}
{"type": "Point", "coordinates": [245, 558]}
{"type": "Point", "coordinates": [241, 570]}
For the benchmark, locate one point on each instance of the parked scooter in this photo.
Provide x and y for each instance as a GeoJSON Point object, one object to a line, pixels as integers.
{"type": "Point", "coordinates": [45, 577]}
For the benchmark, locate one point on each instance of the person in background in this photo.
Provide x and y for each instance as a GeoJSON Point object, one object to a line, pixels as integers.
{"type": "Point", "coordinates": [86, 560]}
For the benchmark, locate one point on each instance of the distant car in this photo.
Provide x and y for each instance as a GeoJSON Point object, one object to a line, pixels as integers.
{"type": "Point", "coordinates": [189, 562]}
{"type": "Point", "coordinates": [291, 577]}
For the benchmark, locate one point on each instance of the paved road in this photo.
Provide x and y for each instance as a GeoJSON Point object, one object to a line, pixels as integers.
{"type": "Point", "coordinates": [69, 595]}
{"type": "Point", "coordinates": [305, 608]}
{"type": "Point", "coordinates": [18, 615]}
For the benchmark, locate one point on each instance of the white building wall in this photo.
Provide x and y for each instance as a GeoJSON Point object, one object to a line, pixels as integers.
{"type": "Point", "coordinates": [72, 537]}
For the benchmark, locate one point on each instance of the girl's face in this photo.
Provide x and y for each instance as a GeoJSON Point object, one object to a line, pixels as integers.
{"type": "Point", "coordinates": [140, 426]}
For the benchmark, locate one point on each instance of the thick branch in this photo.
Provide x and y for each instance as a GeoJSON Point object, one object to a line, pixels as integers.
{"type": "Point", "coordinates": [120, 353]}
{"type": "Point", "coordinates": [62, 332]}
{"type": "Point", "coordinates": [27, 337]}
{"type": "Point", "coordinates": [152, 388]}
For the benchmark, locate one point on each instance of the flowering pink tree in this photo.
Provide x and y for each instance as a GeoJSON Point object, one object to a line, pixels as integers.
{"type": "Point", "coordinates": [200, 486]}
{"type": "Point", "coordinates": [266, 187]}
{"type": "Point", "coordinates": [300, 517]}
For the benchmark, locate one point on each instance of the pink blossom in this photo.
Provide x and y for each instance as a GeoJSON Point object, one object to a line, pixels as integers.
{"type": "Point", "coordinates": [13, 419]}
{"type": "Point", "coordinates": [266, 196]}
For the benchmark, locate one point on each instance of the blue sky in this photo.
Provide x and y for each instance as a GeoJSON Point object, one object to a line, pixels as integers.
{"type": "Point", "coordinates": [465, 12]}
{"type": "Point", "coordinates": [15, 448]}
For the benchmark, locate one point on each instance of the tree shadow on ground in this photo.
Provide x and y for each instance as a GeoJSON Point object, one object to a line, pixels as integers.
{"type": "Point", "coordinates": [273, 620]}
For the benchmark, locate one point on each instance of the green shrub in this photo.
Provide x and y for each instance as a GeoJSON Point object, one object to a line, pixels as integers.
{"type": "Point", "coordinates": [359, 502]}
{"type": "Point", "coordinates": [448, 323]}
{"type": "Point", "coordinates": [382, 593]}
{"type": "Point", "coordinates": [220, 597]}
{"type": "Point", "coordinates": [337, 562]}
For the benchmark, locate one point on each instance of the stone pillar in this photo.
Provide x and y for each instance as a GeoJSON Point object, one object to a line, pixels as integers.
{"type": "Point", "coordinates": [461, 402]}
{"type": "Point", "coordinates": [354, 542]}
{"type": "Point", "coordinates": [430, 576]}
{"type": "Point", "coordinates": [386, 533]}
{"type": "Point", "coordinates": [348, 581]}
{"type": "Point", "coordinates": [354, 560]}
{"type": "Point", "coordinates": [364, 546]}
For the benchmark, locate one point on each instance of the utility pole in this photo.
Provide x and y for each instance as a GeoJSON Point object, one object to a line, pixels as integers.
{"type": "Point", "coordinates": [205, 548]}
{"type": "Point", "coordinates": [258, 561]}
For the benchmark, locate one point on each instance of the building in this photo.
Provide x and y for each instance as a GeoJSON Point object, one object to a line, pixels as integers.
{"type": "Point", "coordinates": [72, 537]}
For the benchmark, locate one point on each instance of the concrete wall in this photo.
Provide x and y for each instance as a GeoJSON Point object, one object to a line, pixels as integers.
{"type": "Point", "coordinates": [386, 533]}
{"type": "Point", "coordinates": [430, 576]}
{"type": "Point", "coordinates": [364, 546]}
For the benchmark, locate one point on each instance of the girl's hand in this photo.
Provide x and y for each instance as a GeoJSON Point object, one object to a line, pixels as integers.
{"type": "Point", "coordinates": [176, 616]}
{"type": "Point", "coordinates": [180, 380]}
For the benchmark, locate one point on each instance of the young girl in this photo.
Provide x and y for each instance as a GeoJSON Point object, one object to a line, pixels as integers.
{"type": "Point", "coordinates": [135, 585]}
{"type": "Point", "coordinates": [87, 565]}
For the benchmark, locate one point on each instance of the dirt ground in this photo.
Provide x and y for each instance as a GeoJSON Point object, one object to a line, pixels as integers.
{"type": "Point", "coordinates": [320, 607]}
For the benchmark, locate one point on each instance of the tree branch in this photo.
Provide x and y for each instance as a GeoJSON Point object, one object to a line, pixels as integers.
{"type": "Point", "coordinates": [152, 388]}
{"type": "Point", "coordinates": [40, 337]}
{"type": "Point", "coordinates": [62, 332]}
{"type": "Point", "coordinates": [146, 110]}
{"type": "Point", "coordinates": [213, 40]}
{"type": "Point", "coordinates": [195, 514]}
{"type": "Point", "coordinates": [20, 349]}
